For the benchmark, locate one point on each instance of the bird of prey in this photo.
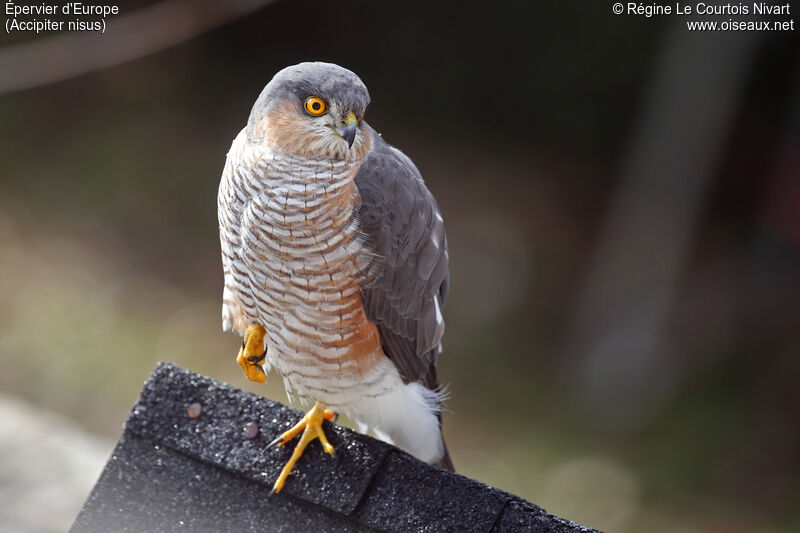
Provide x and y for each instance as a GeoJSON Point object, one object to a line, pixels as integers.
{"type": "Point", "coordinates": [335, 262]}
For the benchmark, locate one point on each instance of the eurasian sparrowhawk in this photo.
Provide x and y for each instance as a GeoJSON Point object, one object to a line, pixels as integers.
{"type": "Point", "coordinates": [335, 261]}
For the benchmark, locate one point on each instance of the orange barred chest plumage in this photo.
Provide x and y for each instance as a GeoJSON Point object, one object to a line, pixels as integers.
{"type": "Point", "coordinates": [294, 262]}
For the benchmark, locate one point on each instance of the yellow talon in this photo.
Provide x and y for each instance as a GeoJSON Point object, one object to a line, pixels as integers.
{"type": "Point", "coordinates": [252, 354]}
{"type": "Point", "coordinates": [311, 426]}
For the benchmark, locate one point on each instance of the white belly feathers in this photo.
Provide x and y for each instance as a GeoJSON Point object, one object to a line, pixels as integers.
{"type": "Point", "coordinates": [294, 260]}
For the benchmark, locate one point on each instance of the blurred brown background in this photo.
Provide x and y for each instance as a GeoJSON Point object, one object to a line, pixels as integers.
{"type": "Point", "coordinates": [622, 200]}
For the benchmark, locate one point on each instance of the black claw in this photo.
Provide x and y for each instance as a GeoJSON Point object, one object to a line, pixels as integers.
{"type": "Point", "coordinates": [258, 359]}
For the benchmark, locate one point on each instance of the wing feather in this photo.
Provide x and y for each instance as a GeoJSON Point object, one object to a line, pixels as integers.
{"type": "Point", "coordinates": [403, 226]}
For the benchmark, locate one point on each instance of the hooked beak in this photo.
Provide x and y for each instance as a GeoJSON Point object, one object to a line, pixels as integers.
{"type": "Point", "coordinates": [348, 131]}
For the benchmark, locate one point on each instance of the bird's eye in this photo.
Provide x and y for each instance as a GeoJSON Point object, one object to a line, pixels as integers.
{"type": "Point", "coordinates": [316, 106]}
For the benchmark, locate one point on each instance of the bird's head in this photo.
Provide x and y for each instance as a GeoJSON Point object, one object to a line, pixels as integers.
{"type": "Point", "coordinates": [312, 110]}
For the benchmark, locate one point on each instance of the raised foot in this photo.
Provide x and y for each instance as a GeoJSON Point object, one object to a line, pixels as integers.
{"type": "Point", "coordinates": [311, 426]}
{"type": "Point", "coordinates": [252, 354]}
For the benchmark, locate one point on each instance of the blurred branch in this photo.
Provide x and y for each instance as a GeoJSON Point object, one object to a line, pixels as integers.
{"type": "Point", "coordinates": [127, 37]}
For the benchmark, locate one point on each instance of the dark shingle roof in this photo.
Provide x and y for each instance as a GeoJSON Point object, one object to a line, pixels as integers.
{"type": "Point", "coordinates": [171, 472]}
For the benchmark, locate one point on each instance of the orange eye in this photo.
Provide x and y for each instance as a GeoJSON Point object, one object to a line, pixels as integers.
{"type": "Point", "coordinates": [316, 106]}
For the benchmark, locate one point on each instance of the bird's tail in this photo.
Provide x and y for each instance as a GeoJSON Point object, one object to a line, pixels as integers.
{"type": "Point", "coordinates": [445, 462]}
{"type": "Point", "coordinates": [432, 384]}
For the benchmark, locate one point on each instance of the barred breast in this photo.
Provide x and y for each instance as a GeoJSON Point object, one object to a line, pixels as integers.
{"type": "Point", "coordinates": [294, 261]}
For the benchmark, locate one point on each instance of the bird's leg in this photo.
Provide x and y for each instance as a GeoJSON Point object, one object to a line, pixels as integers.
{"type": "Point", "coordinates": [311, 426]}
{"type": "Point", "coordinates": [252, 354]}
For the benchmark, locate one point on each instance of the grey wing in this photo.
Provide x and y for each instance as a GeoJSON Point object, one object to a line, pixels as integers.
{"type": "Point", "coordinates": [406, 293]}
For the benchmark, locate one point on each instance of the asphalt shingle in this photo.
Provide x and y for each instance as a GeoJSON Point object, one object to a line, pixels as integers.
{"type": "Point", "coordinates": [173, 470]}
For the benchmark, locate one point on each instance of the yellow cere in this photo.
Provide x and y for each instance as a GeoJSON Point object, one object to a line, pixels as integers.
{"type": "Point", "coordinates": [350, 118]}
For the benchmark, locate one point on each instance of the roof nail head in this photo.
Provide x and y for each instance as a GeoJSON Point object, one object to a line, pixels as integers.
{"type": "Point", "coordinates": [194, 410]}
{"type": "Point", "coordinates": [250, 430]}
